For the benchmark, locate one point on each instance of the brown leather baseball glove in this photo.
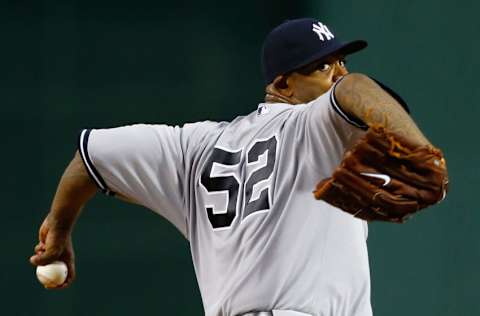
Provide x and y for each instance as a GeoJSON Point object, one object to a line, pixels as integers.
{"type": "Point", "coordinates": [384, 178]}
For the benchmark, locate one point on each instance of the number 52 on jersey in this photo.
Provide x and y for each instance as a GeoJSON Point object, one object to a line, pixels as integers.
{"type": "Point", "coordinates": [221, 178]}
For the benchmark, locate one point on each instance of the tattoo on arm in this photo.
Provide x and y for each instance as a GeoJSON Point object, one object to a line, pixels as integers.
{"type": "Point", "coordinates": [361, 97]}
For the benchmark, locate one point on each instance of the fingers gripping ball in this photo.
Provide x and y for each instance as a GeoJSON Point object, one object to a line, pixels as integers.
{"type": "Point", "coordinates": [385, 178]}
{"type": "Point", "coordinates": [52, 275]}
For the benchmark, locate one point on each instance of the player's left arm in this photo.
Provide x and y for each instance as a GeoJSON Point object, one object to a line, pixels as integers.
{"type": "Point", "coordinates": [74, 190]}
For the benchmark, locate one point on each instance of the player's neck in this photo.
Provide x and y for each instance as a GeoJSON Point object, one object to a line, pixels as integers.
{"type": "Point", "coordinates": [274, 96]}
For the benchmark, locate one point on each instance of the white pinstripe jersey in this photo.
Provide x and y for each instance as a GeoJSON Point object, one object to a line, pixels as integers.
{"type": "Point", "coordinates": [241, 193]}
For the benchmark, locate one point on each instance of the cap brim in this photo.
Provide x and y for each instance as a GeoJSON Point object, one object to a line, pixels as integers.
{"type": "Point", "coordinates": [343, 49]}
{"type": "Point", "coordinates": [353, 47]}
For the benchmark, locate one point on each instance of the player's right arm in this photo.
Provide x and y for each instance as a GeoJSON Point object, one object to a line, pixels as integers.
{"type": "Point", "coordinates": [55, 243]}
{"type": "Point", "coordinates": [363, 98]}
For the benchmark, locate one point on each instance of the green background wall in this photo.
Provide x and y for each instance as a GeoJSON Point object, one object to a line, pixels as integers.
{"type": "Point", "coordinates": [70, 64]}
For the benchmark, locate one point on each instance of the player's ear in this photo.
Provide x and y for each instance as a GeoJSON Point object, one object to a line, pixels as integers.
{"type": "Point", "coordinates": [281, 84]}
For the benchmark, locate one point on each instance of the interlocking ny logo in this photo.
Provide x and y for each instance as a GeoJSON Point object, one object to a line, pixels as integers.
{"type": "Point", "coordinates": [322, 30]}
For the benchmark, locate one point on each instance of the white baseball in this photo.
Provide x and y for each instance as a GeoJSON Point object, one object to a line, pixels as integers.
{"type": "Point", "coordinates": [53, 274]}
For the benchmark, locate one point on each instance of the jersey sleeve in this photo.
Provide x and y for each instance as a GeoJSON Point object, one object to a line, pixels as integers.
{"type": "Point", "coordinates": [328, 130]}
{"type": "Point", "coordinates": [143, 163]}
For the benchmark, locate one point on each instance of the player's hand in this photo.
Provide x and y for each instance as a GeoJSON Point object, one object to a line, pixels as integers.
{"type": "Point", "coordinates": [55, 243]}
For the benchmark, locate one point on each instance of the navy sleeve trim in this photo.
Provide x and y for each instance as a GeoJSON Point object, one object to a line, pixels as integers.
{"type": "Point", "coordinates": [92, 171]}
{"type": "Point", "coordinates": [347, 117]}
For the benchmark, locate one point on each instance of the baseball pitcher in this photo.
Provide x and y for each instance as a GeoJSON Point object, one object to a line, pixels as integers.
{"type": "Point", "coordinates": [274, 204]}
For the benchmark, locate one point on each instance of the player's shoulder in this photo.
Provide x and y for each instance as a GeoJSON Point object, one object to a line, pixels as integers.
{"type": "Point", "coordinates": [202, 127]}
{"type": "Point", "coordinates": [199, 134]}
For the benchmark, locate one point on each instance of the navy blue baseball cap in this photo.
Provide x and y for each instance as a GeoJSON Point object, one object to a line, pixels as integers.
{"type": "Point", "coordinates": [296, 43]}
